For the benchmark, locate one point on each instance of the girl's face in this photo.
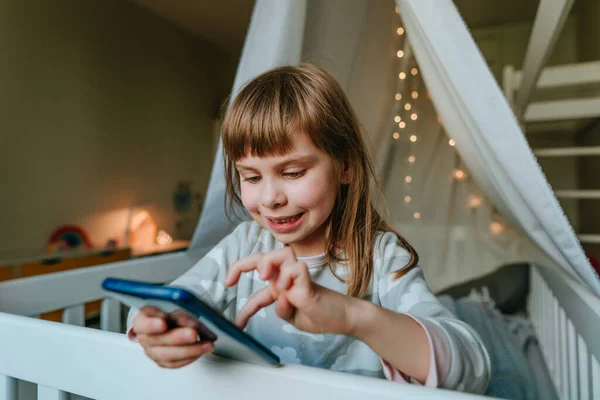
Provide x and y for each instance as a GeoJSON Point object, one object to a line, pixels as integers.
{"type": "Point", "coordinates": [292, 195]}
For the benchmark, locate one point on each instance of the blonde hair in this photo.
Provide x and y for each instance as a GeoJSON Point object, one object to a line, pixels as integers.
{"type": "Point", "coordinates": [261, 121]}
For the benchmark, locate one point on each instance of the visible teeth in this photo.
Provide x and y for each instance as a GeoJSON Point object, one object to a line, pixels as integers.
{"type": "Point", "coordinates": [284, 220]}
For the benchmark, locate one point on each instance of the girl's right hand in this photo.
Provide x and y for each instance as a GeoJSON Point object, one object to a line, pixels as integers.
{"type": "Point", "coordinates": [169, 348]}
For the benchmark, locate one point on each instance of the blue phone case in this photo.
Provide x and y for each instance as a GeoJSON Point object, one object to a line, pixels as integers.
{"type": "Point", "coordinates": [230, 341]}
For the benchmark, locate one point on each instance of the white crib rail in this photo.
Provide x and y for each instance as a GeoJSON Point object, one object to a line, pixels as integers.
{"type": "Point", "coordinates": [71, 289]}
{"type": "Point", "coordinates": [566, 317]}
{"type": "Point", "coordinates": [63, 359]}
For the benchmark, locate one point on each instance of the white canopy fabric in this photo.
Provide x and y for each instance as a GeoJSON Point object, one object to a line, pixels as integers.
{"type": "Point", "coordinates": [477, 116]}
{"type": "Point", "coordinates": [274, 38]}
{"type": "Point", "coordinates": [358, 46]}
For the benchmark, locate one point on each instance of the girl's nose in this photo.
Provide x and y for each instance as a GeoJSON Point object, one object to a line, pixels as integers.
{"type": "Point", "coordinates": [273, 195]}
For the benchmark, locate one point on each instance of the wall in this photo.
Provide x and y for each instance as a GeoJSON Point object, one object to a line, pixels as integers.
{"type": "Point", "coordinates": [104, 106]}
{"type": "Point", "coordinates": [507, 45]}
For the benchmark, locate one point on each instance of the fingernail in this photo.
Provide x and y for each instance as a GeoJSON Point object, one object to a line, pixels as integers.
{"type": "Point", "coordinates": [207, 348]}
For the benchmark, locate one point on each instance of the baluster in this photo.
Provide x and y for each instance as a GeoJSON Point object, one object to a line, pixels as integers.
{"type": "Point", "coordinates": [74, 315]}
{"type": "Point", "coordinates": [9, 389]}
{"type": "Point", "coordinates": [110, 315]}
{"type": "Point", "coordinates": [46, 393]}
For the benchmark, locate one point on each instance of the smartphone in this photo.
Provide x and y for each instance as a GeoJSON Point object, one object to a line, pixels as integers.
{"type": "Point", "coordinates": [185, 309]}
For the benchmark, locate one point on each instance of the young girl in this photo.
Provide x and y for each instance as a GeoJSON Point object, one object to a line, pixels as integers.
{"type": "Point", "coordinates": [317, 276]}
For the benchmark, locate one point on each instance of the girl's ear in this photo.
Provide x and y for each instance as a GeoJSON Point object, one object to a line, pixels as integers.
{"type": "Point", "coordinates": [345, 173]}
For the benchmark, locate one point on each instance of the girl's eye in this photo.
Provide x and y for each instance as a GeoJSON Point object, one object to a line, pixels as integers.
{"type": "Point", "coordinates": [252, 179]}
{"type": "Point", "coordinates": [295, 174]}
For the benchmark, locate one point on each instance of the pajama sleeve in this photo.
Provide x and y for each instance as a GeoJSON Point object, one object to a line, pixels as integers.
{"type": "Point", "coordinates": [458, 357]}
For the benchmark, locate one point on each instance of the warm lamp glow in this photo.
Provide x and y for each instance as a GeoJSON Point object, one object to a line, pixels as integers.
{"type": "Point", "coordinates": [398, 96]}
{"type": "Point", "coordinates": [414, 71]}
{"type": "Point", "coordinates": [401, 75]}
{"type": "Point", "coordinates": [413, 138]}
{"type": "Point", "coordinates": [415, 94]}
{"type": "Point", "coordinates": [411, 159]}
{"type": "Point", "coordinates": [407, 199]}
{"type": "Point", "coordinates": [163, 238]}
{"type": "Point", "coordinates": [408, 179]}
{"type": "Point", "coordinates": [452, 143]}
{"type": "Point", "coordinates": [402, 125]}
{"type": "Point", "coordinates": [400, 30]}
{"type": "Point", "coordinates": [414, 116]}
{"type": "Point", "coordinates": [397, 118]}
{"type": "Point", "coordinates": [400, 54]}
{"type": "Point", "coordinates": [142, 230]}
{"type": "Point", "coordinates": [407, 106]}
{"type": "Point", "coordinates": [396, 135]}
{"type": "Point", "coordinates": [417, 215]}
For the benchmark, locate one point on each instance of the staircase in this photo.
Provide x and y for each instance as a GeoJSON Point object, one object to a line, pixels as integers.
{"type": "Point", "coordinates": [566, 100]}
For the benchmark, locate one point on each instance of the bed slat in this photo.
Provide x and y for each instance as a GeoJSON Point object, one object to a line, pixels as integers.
{"type": "Point", "coordinates": [46, 393]}
{"type": "Point", "coordinates": [595, 378]}
{"type": "Point", "coordinates": [110, 315]}
{"type": "Point", "coordinates": [564, 381]}
{"type": "Point", "coordinates": [582, 353]}
{"type": "Point", "coordinates": [556, 341]}
{"type": "Point", "coordinates": [573, 380]}
{"type": "Point", "coordinates": [8, 388]}
{"type": "Point", "coordinates": [74, 315]}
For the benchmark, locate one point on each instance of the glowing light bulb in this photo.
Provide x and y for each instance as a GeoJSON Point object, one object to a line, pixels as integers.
{"type": "Point", "coordinates": [414, 116]}
{"type": "Point", "coordinates": [402, 75]}
{"type": "Point", "coordinates": [400, 31]}
{"type": "Point", "coordinates": [459, 174]}
{"type": "Point", "coordinates": [452, 143]}
{"type": "Point", "coordinates": [413, 138]}
{"type": "Point", "coordinates": [414, 71]}
{"type": "Point", "coordinates": [415, 94]}
{"type": "Point", "coordinates": [475, 202]}
{"type": "Point", "coordinates": [417, 215]}
{"type": "Point", "coordinates": [400, 54]}
{"type": "Point", "coordinates": [396, 135]}
{"type": "Point", "coordinates": [402, 125]}
{"type": "Point", "coordinates": [408, 179]}
{"type": "Point", "coordinates": [407, 106]}
{"type": "Point", "coordinates": [411, 159]}
{"type": "Point", "coordinates": [397, 118]}
{"type": "Point", "coordinates": [398, 96]}
{"type": "Point", "coordinates": [407, 199]}
{"type": "Point", "coordinates": [496, 228]}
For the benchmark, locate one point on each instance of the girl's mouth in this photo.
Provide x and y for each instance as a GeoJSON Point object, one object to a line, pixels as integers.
{"type": "Point", "coordinates": [286, 224]}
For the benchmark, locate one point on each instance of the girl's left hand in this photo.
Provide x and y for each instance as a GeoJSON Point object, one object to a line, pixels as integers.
{"type": "Point", "coordinates": [303, 303]}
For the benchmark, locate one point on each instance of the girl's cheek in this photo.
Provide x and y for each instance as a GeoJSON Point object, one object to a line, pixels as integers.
{"type": "Point", "coordinates": [249, 198]}
{"type": "Point", "coordinates": [311, 192]}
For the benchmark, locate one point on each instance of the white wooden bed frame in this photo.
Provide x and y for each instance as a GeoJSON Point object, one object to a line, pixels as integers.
{"type": "Point", "coordinates": [102, 364]}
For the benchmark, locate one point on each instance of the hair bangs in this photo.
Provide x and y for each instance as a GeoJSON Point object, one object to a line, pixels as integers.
{"type": "Point", "coordinates": [263, 120]}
